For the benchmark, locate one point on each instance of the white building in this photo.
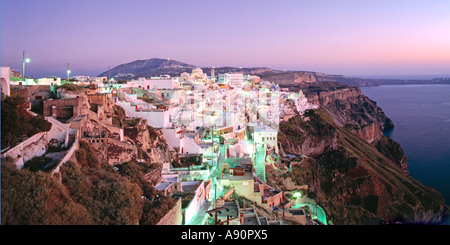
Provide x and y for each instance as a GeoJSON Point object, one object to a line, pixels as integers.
{"type": "Point", "coordinates": [164, 82]}
{"type": "Point", "coordinates": [201, 190]}
{"type": "Point", "coordinates": [301, 102]}
{"type": "Point", "coordinates": [5, 82]}
{"type": "Point", "coordinates": [188, 146]}
{"type": "Point", "coordinates": [49, 81]}
{"type": "Point", "coordinates": [265, 135]}
{"type": "Point", "coordinates": [82, 78]}
{"type": "Point", "coordinates": [233, 79]}
{"type": "Point", "coordinates": [99, 79]}
{"type": "Point", "coordinates": [196, 75]}
{"type": "Point", "coordinates": [140, 109]}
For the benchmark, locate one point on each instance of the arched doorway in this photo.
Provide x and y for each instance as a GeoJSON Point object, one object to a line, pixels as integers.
{"type": "Point", "coordinates": [5, 87]}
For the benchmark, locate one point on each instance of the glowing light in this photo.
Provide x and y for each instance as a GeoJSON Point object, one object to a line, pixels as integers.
{"type": "Point", "coordinates": [27, 60]}
{"type": "Point", "coordinates": [297, 195]}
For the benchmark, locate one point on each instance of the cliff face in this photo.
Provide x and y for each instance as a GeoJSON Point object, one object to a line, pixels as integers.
{"type": "Point", "coordinates": [307, 137]}
{"type": "Point", "coordinates": [356, 182]}
{"type": "Point", "coordinates": [350, 108]}
{"type": "Point", "coordinates": [151, 145]}
{"type": "Point", "coordinates": [356, 173]}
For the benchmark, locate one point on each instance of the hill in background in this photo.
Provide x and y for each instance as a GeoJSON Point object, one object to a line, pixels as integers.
{"type": "Point", "coordinates": [158, 67]}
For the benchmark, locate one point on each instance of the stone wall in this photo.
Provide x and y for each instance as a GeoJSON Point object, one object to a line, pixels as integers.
{"type": "Point", "coordinates": [99, 99]}
{"type": "Point", "coordinates": [74, 102]}
{"type": "Point", "coordinates": [75, 146]}
{"type": "Point", "coordinates": [95, 124]}
{"type": "Point", "coordinates": [36, 145]}
{"type": "Point", "coordinates": [154, 176]}
{"type": "Point", "coordinates": [174, 216]}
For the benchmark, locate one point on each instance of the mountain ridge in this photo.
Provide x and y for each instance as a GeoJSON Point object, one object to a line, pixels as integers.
{"type": "Point", "coordinates": [159, 66]}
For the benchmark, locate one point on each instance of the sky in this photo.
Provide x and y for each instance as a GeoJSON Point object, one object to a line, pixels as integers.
{"type": "Point", "coordinates": [346, 37]}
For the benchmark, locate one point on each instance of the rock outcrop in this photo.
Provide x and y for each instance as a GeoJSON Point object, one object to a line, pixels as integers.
{"type": "Point", "coordinates": [306, 136]}
{"type": "Point", "coordinates": [151, 144]}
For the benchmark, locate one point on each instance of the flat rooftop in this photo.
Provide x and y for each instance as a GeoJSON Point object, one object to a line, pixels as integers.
{"type": "Point", "coordinates": [264, 129]}
{"type": "Point", "coordinates": [190, 186]}
{"type": "Point", "coordinates": [231, 210]}
{"type": "Point", "coordinates": [250, 219]}
{"type": "Point", "coordinates": [162, 186]}
{"type": "Point", "coordinates": [247, 176]}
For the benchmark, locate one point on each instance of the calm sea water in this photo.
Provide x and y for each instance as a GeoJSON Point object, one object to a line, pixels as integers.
{"type": "Point", "coordinates": [421, 115]}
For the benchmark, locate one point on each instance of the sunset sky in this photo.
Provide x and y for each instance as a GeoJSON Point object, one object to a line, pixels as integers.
{"type": "Point", "coordinates": [348, 37]}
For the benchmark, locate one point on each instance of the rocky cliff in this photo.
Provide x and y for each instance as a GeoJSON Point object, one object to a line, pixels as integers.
{"type": "Point", "coordinates": [350, 108]}
{"type": "Point", "coordinates": [357, 182]}
{"type": "Point", "coordinates": [151, 144]}
{"type": "Point", "coordinates": [355, 172]}
{"type": "Point", "coordinates": [309, 136]}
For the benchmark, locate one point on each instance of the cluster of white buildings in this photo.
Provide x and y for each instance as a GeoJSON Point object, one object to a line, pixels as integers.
{"type": "Point", "coordinates": [229, 121]}
{"type": "Point", "coordinates": [230, 105]}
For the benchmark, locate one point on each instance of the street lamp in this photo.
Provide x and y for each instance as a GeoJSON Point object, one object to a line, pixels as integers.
{"type": "Point", "coordinates": [68, 72]}
{"type": "Point", "coordinates": [24, 60]}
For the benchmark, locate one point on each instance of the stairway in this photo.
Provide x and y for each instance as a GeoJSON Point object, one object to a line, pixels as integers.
{"type": "Point", "coordinates": [260, 168]}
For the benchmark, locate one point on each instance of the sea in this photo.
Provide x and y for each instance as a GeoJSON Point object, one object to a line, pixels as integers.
{"type": "Point", "coordinates": [421, 115]}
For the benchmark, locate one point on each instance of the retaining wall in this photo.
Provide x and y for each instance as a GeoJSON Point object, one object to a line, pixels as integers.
{"type": "Point", "coordinates": [174, 216]}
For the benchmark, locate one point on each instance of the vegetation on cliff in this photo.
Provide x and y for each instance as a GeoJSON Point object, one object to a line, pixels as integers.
{"type": "Point", "coordinates": [36, 198]}
{"type": "Point", "coordinates": [17, 123]}
{"type": "Point", "coordinates": [87, 192]}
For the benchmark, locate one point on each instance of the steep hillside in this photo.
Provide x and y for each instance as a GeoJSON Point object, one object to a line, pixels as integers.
{"type": "Point", "coordinates": [350, 108]}
{"type": "Point", "coordinates": [354, 181]}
